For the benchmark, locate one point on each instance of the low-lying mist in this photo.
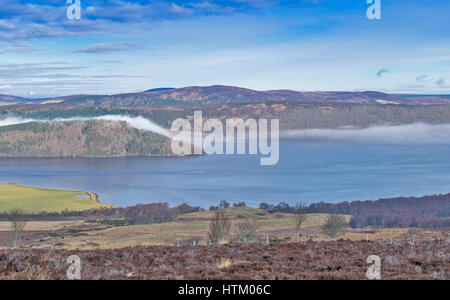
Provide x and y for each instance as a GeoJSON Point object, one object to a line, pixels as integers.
{"type": "Point", "coordinates": [14, 121]}
{"type": "Point", "coordinates": [417, 133]}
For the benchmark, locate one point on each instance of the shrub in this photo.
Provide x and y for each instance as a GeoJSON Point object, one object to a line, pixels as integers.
{"type": "Point", "coordinates": [224, 204]}
{"type": "Point", "coordinates": [17, 225]}
{"type": "Point", "coordinates": [300, 217]}
{"type": "Point", "coordinates": [219, 227]}
{"type": "Point", "coordinates": [334, 226]}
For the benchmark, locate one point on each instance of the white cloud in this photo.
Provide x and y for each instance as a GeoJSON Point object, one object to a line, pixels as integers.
{"type": "Point", "coordinates": [421, 78]}
{"type": "Point", "coordinates": [6, 25]}
{"type": "Point", "coordinates": [105, 48]}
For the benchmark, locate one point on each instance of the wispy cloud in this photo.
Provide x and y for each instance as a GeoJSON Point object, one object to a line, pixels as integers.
{"type": "Point", "coordinates": [111, 61]}
{"type": "Point", "coordinates": [421, 78]}
{"type": "Point", "coordinates": [18, 47]}
{"type": "Point", "coordinates": [234, 42]}
{"type": "Point", "coordinates": [21, 20]}
{"type": "Point", "coordinates": [105, 48]}
{"type": "Point", "coordinates": [6, 25]}
{"type": "Point", "coordinates": [381, 72]}
{"type": "Point", "coordinates": [440, 81]}
{"type": "Point", "coordinates": [28, 70]}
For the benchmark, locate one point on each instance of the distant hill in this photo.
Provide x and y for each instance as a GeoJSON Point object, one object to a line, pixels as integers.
{"type": "Point", "coordinates": [217, 94]}
{"type": "Point", "coordinates": [7, 99]}
{"type": "Point", "coordinates": [10, 100]}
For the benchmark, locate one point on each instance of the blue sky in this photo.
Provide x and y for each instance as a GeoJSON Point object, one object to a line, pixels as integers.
{"type": "Point", "coordinates": [308, 45]}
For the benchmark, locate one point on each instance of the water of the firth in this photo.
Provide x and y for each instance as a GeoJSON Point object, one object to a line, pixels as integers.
{"type": "Point", "coordinates": [308, 171]}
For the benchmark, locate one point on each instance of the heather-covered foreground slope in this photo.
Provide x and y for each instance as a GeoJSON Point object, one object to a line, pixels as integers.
{"type": "Point", "coordinates": [309, 260]}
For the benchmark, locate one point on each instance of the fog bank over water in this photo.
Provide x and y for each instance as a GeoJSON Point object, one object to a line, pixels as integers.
{"type": "Point", "coordinates": [14, 121]}
{"type": "Point", "coordinates": [418, 133]}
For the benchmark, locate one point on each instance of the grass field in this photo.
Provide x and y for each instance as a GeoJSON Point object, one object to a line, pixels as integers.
{"type": "Point", "coordinates": [184, 229]}
{"type": "Point", "coordinates": [35, 200]}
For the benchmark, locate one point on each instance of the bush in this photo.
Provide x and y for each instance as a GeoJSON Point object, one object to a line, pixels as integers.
{"type": "Point", "coordinates": [334, 226]}
{"type": "Point", "coordinates": [265, 206]}
{"type": "Point", "coordinates": [219, 227]}
{"type": "Point", "coordinates": [224, 204]}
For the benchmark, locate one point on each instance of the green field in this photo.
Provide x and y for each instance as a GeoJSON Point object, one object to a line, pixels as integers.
{"type": "Point", "coordinates": [35, 200]}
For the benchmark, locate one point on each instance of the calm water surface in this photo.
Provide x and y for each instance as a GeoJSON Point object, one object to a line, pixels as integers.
{"type": "Point", "coordinates": [308, 171]}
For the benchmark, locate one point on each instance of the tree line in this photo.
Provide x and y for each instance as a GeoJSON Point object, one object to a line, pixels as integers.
{"type": "Point", "coordinates": [138, 214]}
{"type": "Point", "coordinates": [422, 212]}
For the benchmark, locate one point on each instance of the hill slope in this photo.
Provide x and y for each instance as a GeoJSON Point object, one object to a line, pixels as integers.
{"type": "Point", "coordinates": [8, 100]}
{"type": "Point", "coordinates": [219, 94]}
{"type": "Point", "coordinates": [227, 94]}
{"type": "Point", "coordinates": [79, 139]}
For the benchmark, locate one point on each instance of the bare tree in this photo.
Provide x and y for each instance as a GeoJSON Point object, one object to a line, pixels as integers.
{"type": "Point", "coordinates": [219, 227]}
{"type": "Point", "coordinates": [246, 230]}
{"type": "Point", "coordinates": [17, 225]}
{"type": "Point", "coordinates": [300, 217]}
{"type": "Point", "coordinates": [334, 225]}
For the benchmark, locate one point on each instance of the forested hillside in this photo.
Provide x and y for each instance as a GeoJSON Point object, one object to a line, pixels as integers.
{"type": "Point", "coordinates": [79, 139]}
{"type": "Point", "coordinates": [109, 139]}
{"type": "Point", "coordinates": [292, 115]}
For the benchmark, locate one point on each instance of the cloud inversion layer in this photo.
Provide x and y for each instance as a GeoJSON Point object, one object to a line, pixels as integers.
{"type": "Point", "coordinates": [418, 133]}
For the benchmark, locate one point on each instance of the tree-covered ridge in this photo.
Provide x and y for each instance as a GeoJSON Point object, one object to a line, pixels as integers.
{"type": "Point", "coordinates": [292, 115]}
{"type": "Point", "coordinates": [424, 212]}
{"type": "Point", "coordinates": [79, 139]}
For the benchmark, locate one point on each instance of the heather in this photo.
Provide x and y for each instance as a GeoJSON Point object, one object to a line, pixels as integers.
{"type": "Point", "coordinates": [335, 260]}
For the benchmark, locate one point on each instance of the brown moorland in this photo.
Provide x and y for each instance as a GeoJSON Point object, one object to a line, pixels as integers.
{"type": "Point", "coordinates": [335, 260]}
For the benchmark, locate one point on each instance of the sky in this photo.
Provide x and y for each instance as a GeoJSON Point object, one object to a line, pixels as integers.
{"type": "Point", "coordinates": [121, 46]}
